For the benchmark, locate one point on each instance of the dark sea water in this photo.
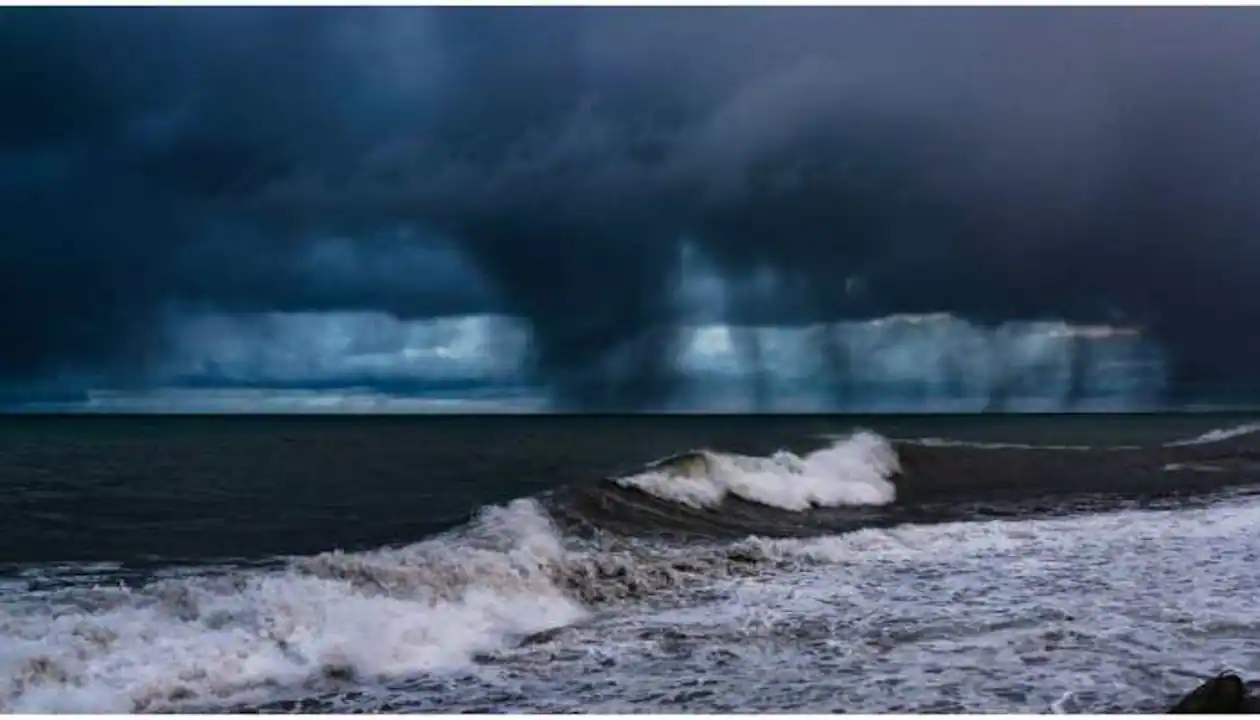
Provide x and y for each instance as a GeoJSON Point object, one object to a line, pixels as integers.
{"type": "Point", "coordinates": [792, 563]}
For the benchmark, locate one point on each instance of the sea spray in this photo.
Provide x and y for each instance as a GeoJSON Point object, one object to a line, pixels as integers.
{"type": "Point", "coordinates": [851, 471]}
{"type": "Point", "coordinates": [429, 607]}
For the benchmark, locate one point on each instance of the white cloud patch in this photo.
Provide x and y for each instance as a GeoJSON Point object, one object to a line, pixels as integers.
{"type": "Point", "coordinates": [325, 347]}
{"type": "Point", "coordinates": [934, 362]}
{"type": "Point", "coordinates": [370, 362]}
{"type": "Point", "coordinates": [899, 363]}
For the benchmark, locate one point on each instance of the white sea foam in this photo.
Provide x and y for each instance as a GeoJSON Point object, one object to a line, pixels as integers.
{"type": "Point", "coordinates": [1096, 613]}
{"type": "Point", "coordinates": [1192, 467]}
{"type": "Point", "coordinates": [851, 471]}
{"type": "Point", "coordinates": [1219, 435]}
{"type": "Point", "coordinates": [969, 541]}
{"type": "Point", "coordinates": [424, 608]}
{"type": "Point", "coordinates": [977, 445]}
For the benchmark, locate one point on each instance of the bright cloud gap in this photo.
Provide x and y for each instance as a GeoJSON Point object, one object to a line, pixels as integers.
{"type": "Point", "coordinates": [373, 362]}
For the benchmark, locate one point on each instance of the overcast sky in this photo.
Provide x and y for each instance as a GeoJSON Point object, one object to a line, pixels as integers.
{"type": "Point", "coordinates": [628, 209]}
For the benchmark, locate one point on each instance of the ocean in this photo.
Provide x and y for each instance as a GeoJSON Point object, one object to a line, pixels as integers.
{"type": "Point", "coordinates": [991, 563]}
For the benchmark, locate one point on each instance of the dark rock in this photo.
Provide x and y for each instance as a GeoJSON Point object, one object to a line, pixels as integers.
{"type": "Point", "coordinates": [1223, 694]}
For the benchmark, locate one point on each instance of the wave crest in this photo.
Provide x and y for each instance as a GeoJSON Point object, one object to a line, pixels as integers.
{"type": "Point", "coordinates": [855, 470]}
{"type": "Point", "coordinates": [1218, 435]}
{"type": "Point", "coordinates": [210, 639]}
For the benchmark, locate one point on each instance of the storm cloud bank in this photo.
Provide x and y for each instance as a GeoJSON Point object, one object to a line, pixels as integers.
{"type": "Point", "coordinates": [1092, 166]}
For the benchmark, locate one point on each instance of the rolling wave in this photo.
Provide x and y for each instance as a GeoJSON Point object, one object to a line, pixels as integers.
{"type": "Point", "coordinates": [320, 624]}
{"type": "Point", "coordinates": [212, 639]}
{"type": "Point", "coordinates": [864, 479]}
{"type": "Point", "coordinates": [1219, 435]}
{"type": "Point", "coordinates": [852, 471]}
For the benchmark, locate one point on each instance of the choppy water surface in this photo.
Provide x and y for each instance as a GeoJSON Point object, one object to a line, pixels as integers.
{"type": "Point", "coordinates": [843, 577]}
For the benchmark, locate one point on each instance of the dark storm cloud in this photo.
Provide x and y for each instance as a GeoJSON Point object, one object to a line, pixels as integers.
{"type": "Point", "coordinates": [128, 143]}
{"type": "Point", "coordinates": [1086, 164]}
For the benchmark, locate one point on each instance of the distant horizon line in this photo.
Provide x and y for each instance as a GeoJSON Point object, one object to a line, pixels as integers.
{"type": "Point", "coordinates": [87, 412]}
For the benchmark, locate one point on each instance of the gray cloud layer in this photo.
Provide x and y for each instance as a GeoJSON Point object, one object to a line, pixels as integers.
{"type": "Point", "coordinates": [1095, 165]}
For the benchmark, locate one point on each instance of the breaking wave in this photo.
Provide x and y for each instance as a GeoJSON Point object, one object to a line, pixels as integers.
{"type": "Point", "coordinates": [207, 639]}
{"type": "Point", "coordinates": [514, 574]}
{"type": "Point", "coordinates": [852, 471]}
{"type": "Point", "coordinates": [1219, 435]}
